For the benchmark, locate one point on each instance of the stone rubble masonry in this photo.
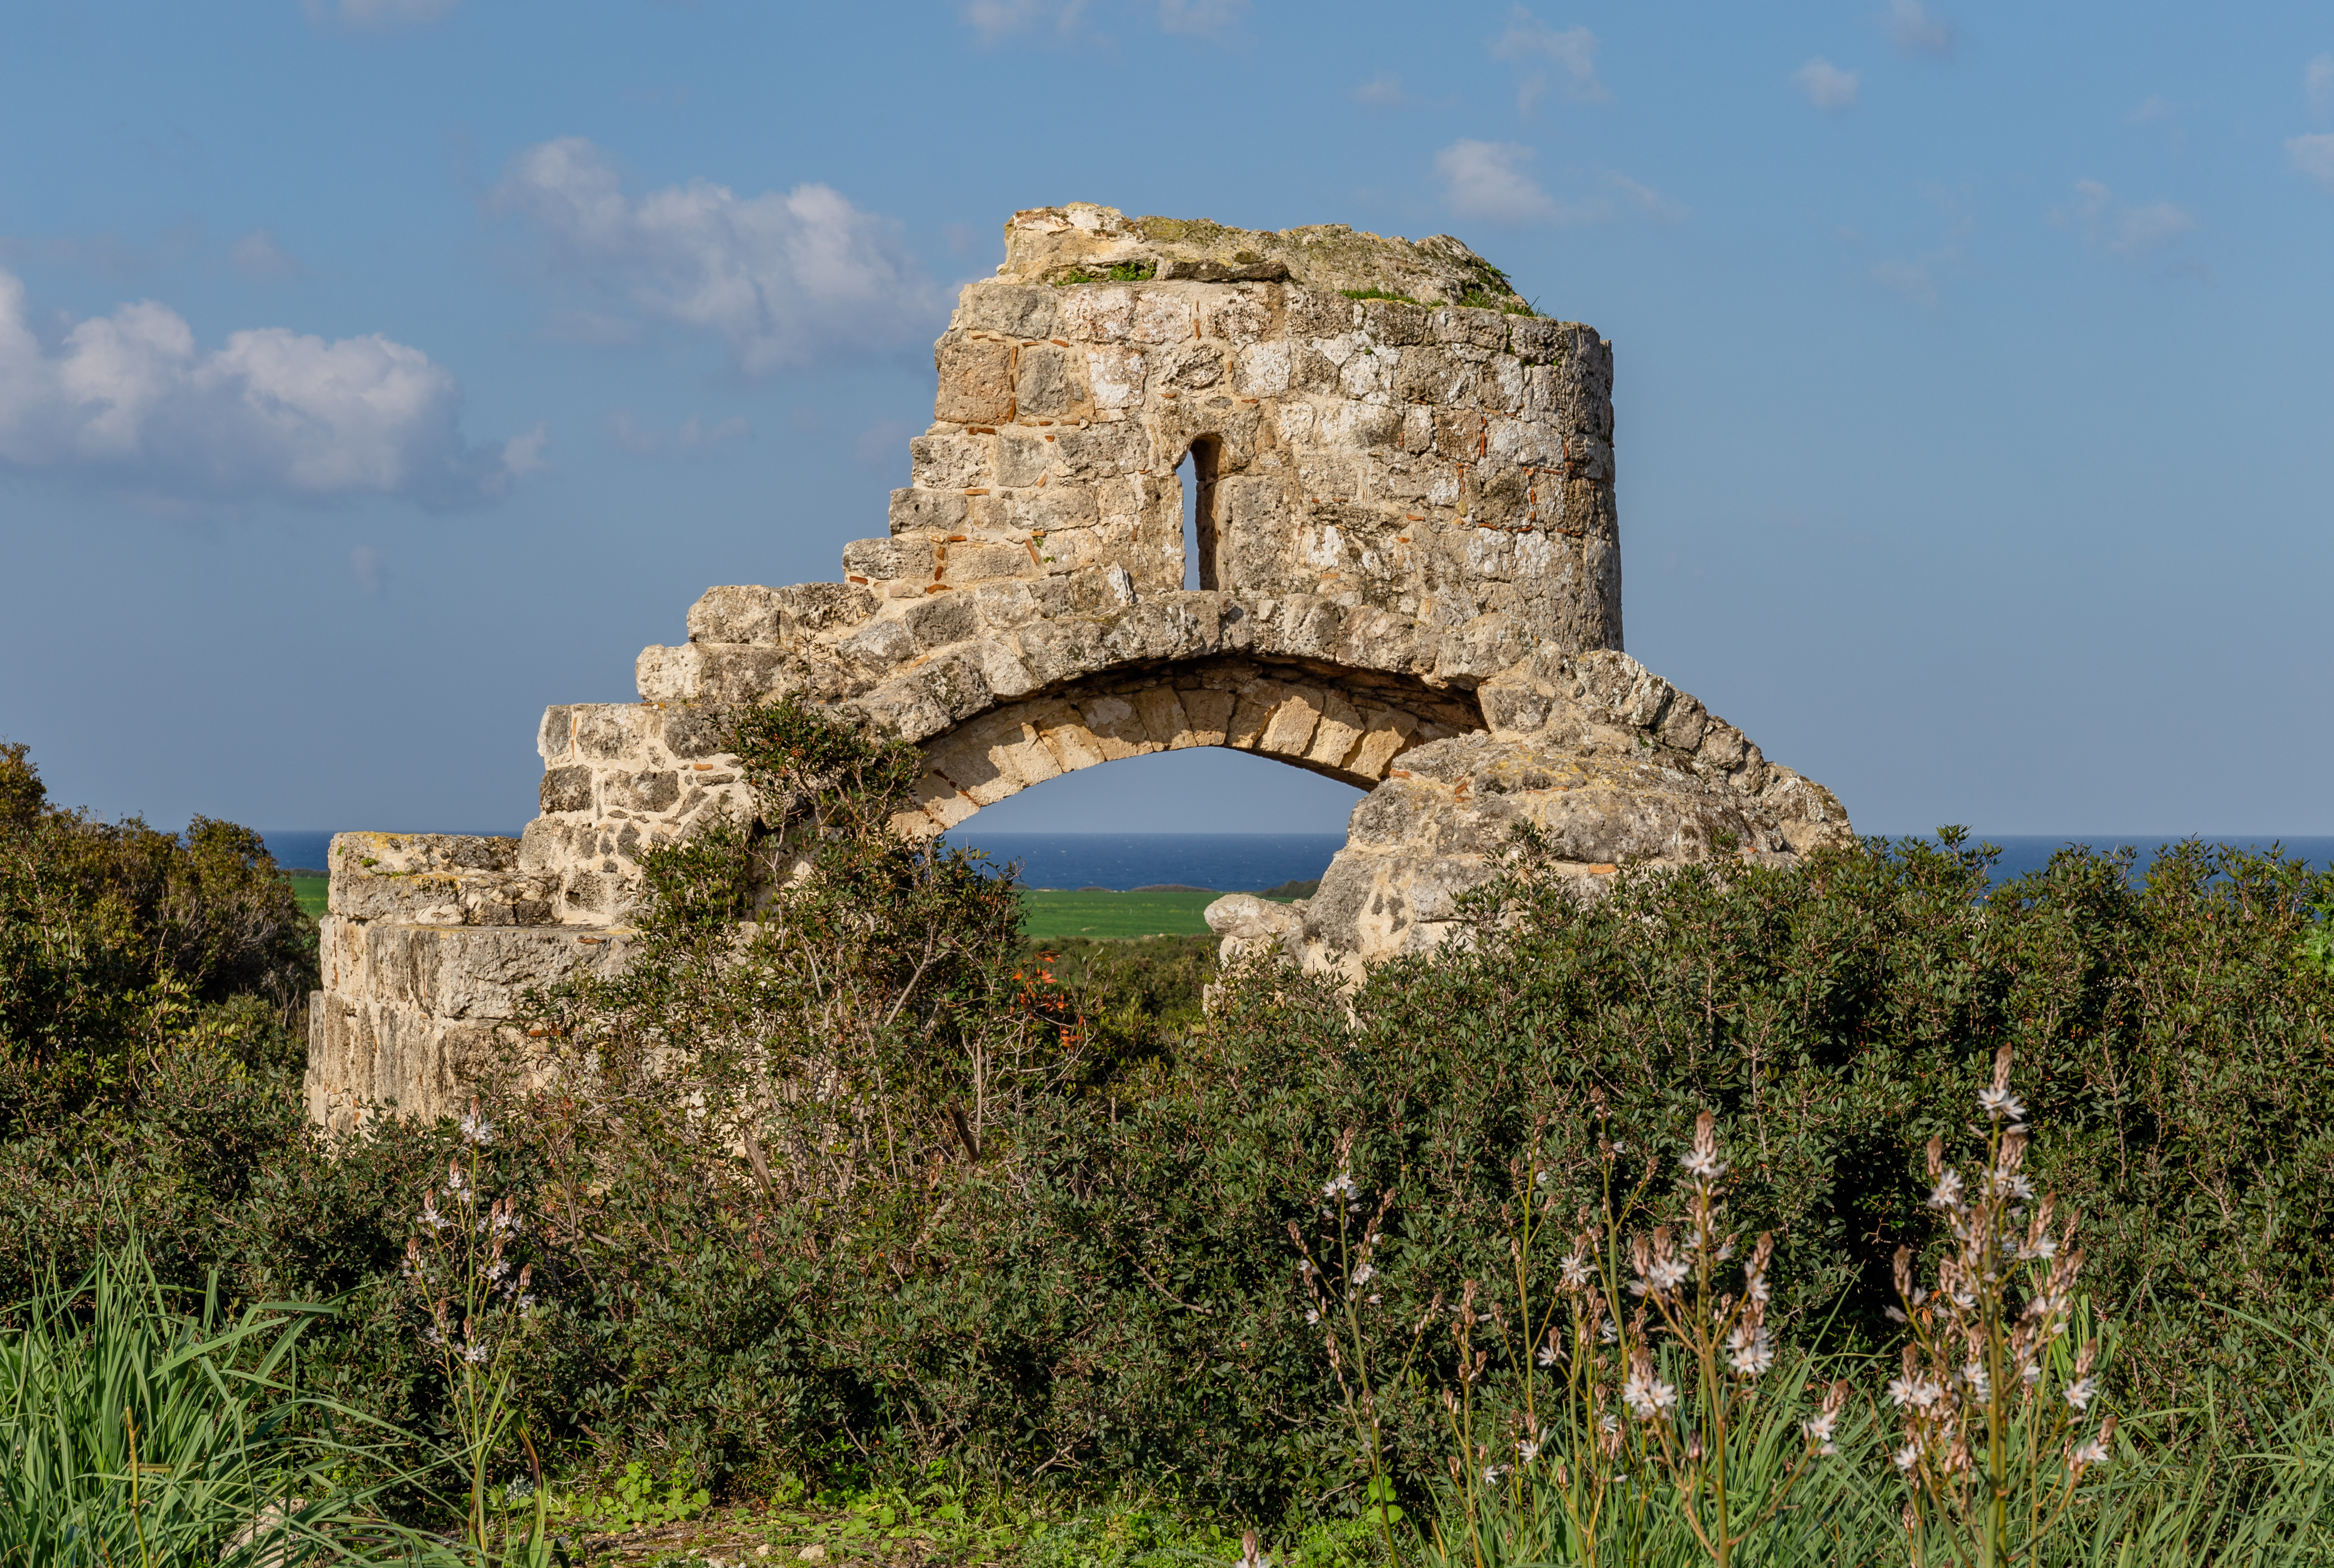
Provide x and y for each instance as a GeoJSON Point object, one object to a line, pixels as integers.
{"type": "Point", "coordinates": [1408, 578]}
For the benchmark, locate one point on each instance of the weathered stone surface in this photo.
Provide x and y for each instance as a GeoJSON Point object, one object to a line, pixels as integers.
{"type": "Point", "coordinates": [1409, 572]}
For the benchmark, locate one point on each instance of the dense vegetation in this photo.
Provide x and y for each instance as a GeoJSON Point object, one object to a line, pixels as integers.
{"type": "Point", "coordinates": [842, 1178]}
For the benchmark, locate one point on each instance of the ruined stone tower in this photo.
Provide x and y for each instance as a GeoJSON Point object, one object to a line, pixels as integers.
{"type": "Point", "coordinates": [1408, 578]}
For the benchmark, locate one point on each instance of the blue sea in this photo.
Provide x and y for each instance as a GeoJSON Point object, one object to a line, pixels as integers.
{"type": "Point", "coordinates": [1248, 863]}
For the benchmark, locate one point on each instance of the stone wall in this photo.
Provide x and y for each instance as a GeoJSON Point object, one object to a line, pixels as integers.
{"type": "Point", "coordinates": [1408, 578]}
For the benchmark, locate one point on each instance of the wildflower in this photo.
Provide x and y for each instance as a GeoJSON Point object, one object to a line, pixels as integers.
{"type": "Point", "coordinates": [2082, 1392]}
{"type": "Point", "coordinates": [1340, 1185]}
{"type": "Point", "coordinates": [1997, 1102]}
{"type": "Point", "coordinates": [1575, 1272]}
{"type": "Point", "coordinates": [1703, 1164]}
{"type": "Point", "coordinates": [1667, 1274]}
{"type": "Point", "coordinates": [2095, 1451]}
{"type": "Point", "coordinates": [1491, 1473]}
{"type": "Point", "coordinates": [1907, 1457]}
{"type": "Point", "coordinates": [1646, 1395]}
{"type": "Point", "coordinates": [1548, 1354]}
{"type": "Point", "coordinates": [1543, 1178]}
{"type": "Point", "coordinates": [429, 1215]}
{"type": "Point", "coordinates": [1819, 1430]}
{"type": "Point", "coordinates": [1915, 1389]}
{"type": "Point", "coordinates": [1312, 1317]}
{"type": "Point", "coordinates": [1948, 1193]}
{"type": "Point", "coordinates": [1751, 1350]}
{"type": "Point", "coordinates": [475, 1128]}
{"type": "Point", "coordinates": [1527, 1450]}
{"type": "Point", "coordinates": [474, 1352]}
{"type": "Point", "coordinates": [1363, 1274]}
{"type": "Point", "coordinates": [1974, 1379]}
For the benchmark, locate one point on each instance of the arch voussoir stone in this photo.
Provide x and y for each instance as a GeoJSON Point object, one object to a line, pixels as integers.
{"type": "Point", "coordinates": [1410, 558]}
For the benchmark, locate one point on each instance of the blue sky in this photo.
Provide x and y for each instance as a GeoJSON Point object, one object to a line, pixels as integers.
{"type": "Point", "coordinates": [375, 372]}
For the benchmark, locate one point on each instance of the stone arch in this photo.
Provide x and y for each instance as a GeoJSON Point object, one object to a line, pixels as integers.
{"type": "Point", "coordinates": [1411, 582]}
{"type": "Point", "coordinates": [1345, 725]}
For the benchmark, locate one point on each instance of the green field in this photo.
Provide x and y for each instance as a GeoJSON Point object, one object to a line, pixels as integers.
{"type": "Point", "coordinates": [1051, 916]}
{"type": "Point", "coordinates": [311, 890]}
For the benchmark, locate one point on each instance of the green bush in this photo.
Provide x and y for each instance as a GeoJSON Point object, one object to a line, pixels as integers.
{"type": "Point", "coordinates": [839, 1181]}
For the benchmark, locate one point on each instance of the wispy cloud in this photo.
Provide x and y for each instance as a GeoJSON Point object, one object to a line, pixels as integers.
{"type": "Point", "coordinates": [258, 258]}
{"type": "Point", "coordinates": [128, 400]}
{"type": "Point", "coordinates": [2152, 111]}
{"type": "Point", "coordinates": [1825, 85]}
{"type": "Point", "coordinates": [2318, 83]}
{"type": "Point", "coordinates": [782, 279]}
{"type": "Point", "coordinates": [995, 19]}
{"type": "Point", "coordinates": [2122, 228]}
{"type": "Point", "coordinates": [1537, 48]}
{"type": "Point", "coordinates": [1486, 179]}
{"type": "Point", "coordinates": [1489, 181]}
{"type": "Point", "coordinates": [1382, 90]}
{"type": "Point", "coordinates": [2313, 156]}
{"type": "Point", "coordinates": [1199, 18]}
{"type": "Point", "coordinates": [692, 438]}
{"type": "Point", "coordinates": [1914, 279]}
{"type": "Point", "coordinates": [380, 15]}
{"type": "Point", "coordinates": [1914, 29]}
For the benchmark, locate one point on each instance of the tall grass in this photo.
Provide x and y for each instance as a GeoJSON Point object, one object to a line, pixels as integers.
{"type": "Point", "coordinates": [135, 1435]}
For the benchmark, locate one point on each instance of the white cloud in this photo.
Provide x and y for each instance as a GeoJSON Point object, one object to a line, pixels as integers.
{"type": "Point", "coordinates": [258, 258]}
{"type": "Point", "coordinates": [1910, 278]}
{"type": "Point", "coordinates": [2126, 230]}
{"type": "Point", "coordinates": [1199, 18]}
{"type": "Point", "coordinates": [691, 438]}
{"type": "Point", "coordinates": [1572, 51]}
{"type": "Point", "coordinates": [523, 453]}
{"type": "Point", "coordinates": [129, 400]}
{"type": "Point", "coordinates": [1649, 201]}
{"type": "Point", "coordinates": [1486, 179]}
{"type": "Point", "coordinates": [380, 13]}
{"type": "Point", "coordinates": [1827, 87]}
{"type": "Point", "coordinates": [1915, 31]}
{"type": "Point", "coordinates": [782, 279]}
{"type": "Point", "coordinates": [995, 19]}
{"type": "Point", "coordinates": [1382, 90]}
{"type": "Point", "coordinates": [2152, 111]}
{"type": "Point", "coordinates": [2142, 229]}
{"type": "Point", "coordinates": [2318, 83]}
{"type": "Point", "coordinates": [2313, 156]}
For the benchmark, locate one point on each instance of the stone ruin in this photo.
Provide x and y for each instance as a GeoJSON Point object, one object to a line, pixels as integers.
{"type": "Point", "coordinates": [1408, 578]}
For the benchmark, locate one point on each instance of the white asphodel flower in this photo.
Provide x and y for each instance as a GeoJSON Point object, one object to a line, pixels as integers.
{"type": "Point", "coordinates": [1491, 1473]}
{"type": "Point", "coordinates": [1548, 1354]}
{"type": "Point", "coordinates": [1575, 1271]}
{"type": "Point", "coordinates": [1818, 1431]}
{"type": "Point", "coordinates": [1667, 1273]}
{"type": "Point", "coordinates": [1999, 1105]}
{"type": "Point", "coordinates": [1363, 1274]}
{"type": "Point", "coordinates": [1340, 1185]}
{"type": "Point", "coordinates": [1974, 1379]}
{"type": "Point", "coordinates": [475, 1128]}
{"type": "Point", "coordinates": [1705, 1165]}
{"type": "Point", "coordinates": [2082, 1392]}
{"type": "Point", "coordinates": [2094, 1452]}
{"type": "Point", "coordinates": [1647, 1395]}
{"type": "Point", "coordinates": [1751, 1351]}
{"type": "Point", "coordinates": [1948, 1193]}
{"type": "Point", "coordinates": [1907, 1457]}
{"type": "Point", "coordinates": [1527, 1450]}
{"type": "Point", "coordinates": [1916, 1390]}
{"type": "Point", "coordinates": [1312, 1318]}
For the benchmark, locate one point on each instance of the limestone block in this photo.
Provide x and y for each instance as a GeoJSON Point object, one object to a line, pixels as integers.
{"type": "Point", "coordinates": [1162, 717]}
{"type": "Point", "coordinates": [1338, 730]}
{"type": "Point", "coordinates": [970, 564]}
{"type": "Point", "coordinates": [1289, 731]}
{"type": "Point", "coordinates": [1238, 316]}
{"type": "Point", "coordinates": [1393, 321]}
{"type": "Point", "coordinates": [942, 801]}
{"type": "Point", "coordinates": [1386, 733]}
{"type": "Point", "coordinates": [1017, 310]}
{"type": "Point", "coordinates": [883, 560]}
{"type": "Point", "coordinates": [936, 621]}
{"type": "Point", "coordinates": [1164, 316]}
{"type": "Point", "coordinates": [1098, 313]}
{"type": "Point", "coordinates": [1209, 714]}
{"type": "Point", "coordinates": [1050, 383]}
{"type": "Point", "coordinates": [920, 511]}
{"type": "Point", "coordinates": [1001, 668]}
{"type": "Point", "coordinates": [946, 459]}
{"type": "Point", "coordinates": [1117, 727]}
{"type": "Point", "coordinates": [979, 758]}
{"type": "Point", "coordinates": [567, 789]}
{"type": "Point", "coordinates": [1117, 377]}
{"type": "Point", "coordinates": [1263, 370]}
{"type": "Point", "coordinates": [736, 614]}
{"type": "Point", "coordinates": [1258, 699]}
{"type": "Point", "coordinates": [976, 381]}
